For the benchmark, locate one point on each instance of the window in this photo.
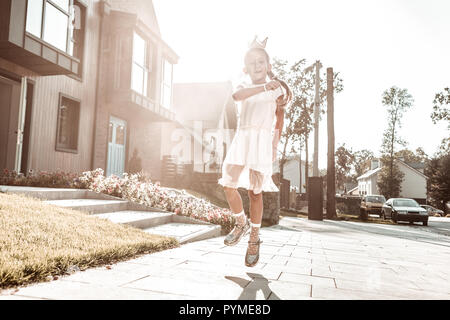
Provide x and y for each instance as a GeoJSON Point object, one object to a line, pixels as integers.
{"type": "Point", "coordinates": [68, 124]}
{"type": "Point", "coordinates": [34, 17]}
{"type": "Point", "coordinates": [140, 69]}
{"type": "Point", "coordinates": [59, 23]}
{"type": "Point", "coordinates": [166, 87]}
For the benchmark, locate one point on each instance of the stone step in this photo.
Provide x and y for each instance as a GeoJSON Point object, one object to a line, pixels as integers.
{"type": "Point", "coordinates": [186, 232]}
{"type": "Point", "coordinates": [92, 206]}
{"type": "Point", "coordinates": [55, 193]}
{"type": "Point", "coordinates": [138, 219]}
{"type": "Point", "coordinates": [151, 220]}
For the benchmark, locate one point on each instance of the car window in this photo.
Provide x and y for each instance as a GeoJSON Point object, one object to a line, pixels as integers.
{"type": "Point", "coordinates": [406, 203]}
{"type": "Point", "coordinates": [376, 199]}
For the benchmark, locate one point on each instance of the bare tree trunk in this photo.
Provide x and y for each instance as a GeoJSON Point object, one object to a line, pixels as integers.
{"type": "Point", "coordinates": [300, 169]}
{"type": "Point", "coordinates": [331, 169]}
{"type": "Point", "coordinates": [306, 164]}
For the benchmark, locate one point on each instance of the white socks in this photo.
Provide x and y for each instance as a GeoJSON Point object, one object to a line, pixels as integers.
{"type": "Point", "coordinates": [237, 215]}
{"type": "Point", "coordinates": [254, 225]}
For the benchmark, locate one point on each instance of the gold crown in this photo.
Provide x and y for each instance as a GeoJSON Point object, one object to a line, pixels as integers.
{"type": "Point", "coordinates": [256, 44]}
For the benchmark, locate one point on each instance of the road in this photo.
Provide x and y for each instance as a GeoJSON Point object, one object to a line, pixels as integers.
{"type": "Point", "coordinates": [437, 225]}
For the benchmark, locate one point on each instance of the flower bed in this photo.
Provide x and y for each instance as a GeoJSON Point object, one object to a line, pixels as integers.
{"type": "Point", "coordinates": [135, 187]}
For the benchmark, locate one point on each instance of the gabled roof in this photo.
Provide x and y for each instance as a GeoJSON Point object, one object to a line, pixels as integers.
{"type": "Point", "coordinates": [375, 171]}
{"type": "Point", "coordinates": [206, 102]}
{"type": "Point", "coordinates": [369, 173]}
{"type": "Point", "coordinates": [354, 189]}
{"type": "Point", "coordinates": [412, 168]}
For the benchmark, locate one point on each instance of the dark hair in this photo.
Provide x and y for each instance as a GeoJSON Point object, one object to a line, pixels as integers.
{"type": "Point", "coordinates": [287, 97]}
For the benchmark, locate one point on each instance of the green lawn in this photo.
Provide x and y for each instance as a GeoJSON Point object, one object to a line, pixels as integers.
{"type": "Point", "coordinates": [38, 240]}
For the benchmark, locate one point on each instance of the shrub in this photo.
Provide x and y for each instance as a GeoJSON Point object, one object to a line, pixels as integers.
{"type": "Point", "coordinates": [57, 179]}
{"type": "Point", "coordinates": [137, 188]}
{"type": "Point", "coordinates": [341, 208]}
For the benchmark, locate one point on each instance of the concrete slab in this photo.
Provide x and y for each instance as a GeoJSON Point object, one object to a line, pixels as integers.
{"type": "Point", "coordinates": [367, 263]}
{"type": "Point", "coordinates": [45, 193]}
{"type": "Point", "coordinates": [70, 290]}
{"type": "Point", "coordinates": [91, 206]}
{"type": "Point", "coordinates": [137, 219]}
{"type": "Point", "coordinates": [186, 232]}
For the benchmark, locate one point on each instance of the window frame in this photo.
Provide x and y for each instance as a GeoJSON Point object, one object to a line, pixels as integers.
{"type": "Point", "coordinates": [146, 68]}
{"type": "Point", "coordinates": [69, 36]}
{"type": "Point", "coordinates": [83, 22]}
{"type": "Point", "coordinates": [59, 147]}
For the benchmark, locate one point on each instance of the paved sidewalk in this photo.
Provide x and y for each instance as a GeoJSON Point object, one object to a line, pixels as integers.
{"type": "Point", "coordinates": [300, 259]}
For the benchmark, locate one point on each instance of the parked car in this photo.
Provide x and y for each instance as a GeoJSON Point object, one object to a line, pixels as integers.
{"type": "Point", "coordinates": [372, 204]}
{"type": "Point", "coordinates": [403, 209]}
{"type": "Point", "coordinates": [432, 210]}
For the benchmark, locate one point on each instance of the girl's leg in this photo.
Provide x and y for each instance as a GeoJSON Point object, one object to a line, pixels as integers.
{"type": "Point", "coordinates": [235, 202]}
{"type": "Point", "coordinates": [232, 173]}
{"type": "Point", "coordinates": [256, 213]}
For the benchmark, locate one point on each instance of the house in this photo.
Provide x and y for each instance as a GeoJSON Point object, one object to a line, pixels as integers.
{"type": "Point", "coordinates": [208, 117]}
{"type": "Point", "coordinates": [414, 184]}
{"type": "Point", "coordinates": [84, 84]}
{"type": "Point", "coordinates": [292, 170]}
{"type": "Point", "coordinates": [367, 183]}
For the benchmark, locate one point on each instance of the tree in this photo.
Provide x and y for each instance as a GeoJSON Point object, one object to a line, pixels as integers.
{"type": "Point", "coordinates": [412, 157]}
{"type": "Point", "coordinates": [298, 114]}
{"type": "Point", "coordinates": [438, 186]}
{"type": "Point", "coordinates": [389, 179]}
{"type": "Point", "coordinates": [361, 162]}
{"type": "Point", "coordinates": [397, 101]}
{"type": "Point", "coordinates": [344, 160]}
{"type": "Point", "coordinates": [444, 148]}
{"type": "Point", "coordinates": [441, 107]}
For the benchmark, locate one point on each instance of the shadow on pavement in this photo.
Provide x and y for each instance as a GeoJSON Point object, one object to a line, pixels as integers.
{"type": "Point", "coordinates": [250, 289]}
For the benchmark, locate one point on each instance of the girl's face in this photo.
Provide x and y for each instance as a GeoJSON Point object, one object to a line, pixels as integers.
{"type": "Point", "coordinates": [257, 66]}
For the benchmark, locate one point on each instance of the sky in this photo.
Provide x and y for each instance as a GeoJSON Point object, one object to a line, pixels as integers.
{"type": "Point", "coordinates": [372, 44]}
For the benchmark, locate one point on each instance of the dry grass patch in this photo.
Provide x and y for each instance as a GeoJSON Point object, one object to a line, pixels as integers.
{"type": "Point", "coordinates": [38, 240]}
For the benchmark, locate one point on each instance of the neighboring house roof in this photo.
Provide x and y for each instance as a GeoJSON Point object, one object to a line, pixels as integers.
{"type": "Point", "coordinates": [369, 173]}
{"type": "Point", "coordinates": [408, 165]}
{"type": "Point", "coordinates": [416, 165]}
{"type": "Point", "coordinates": [276, 163]}
{"type": "Point", "coordinates": [210, 103]}
{"type": "Point", "coordinates": [412, 168]}
{"type": "Point", "coordinates": [352, 190]}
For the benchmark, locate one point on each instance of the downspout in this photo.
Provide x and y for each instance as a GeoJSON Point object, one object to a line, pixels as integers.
{"type": "Point", "coordinates": [104, 10]}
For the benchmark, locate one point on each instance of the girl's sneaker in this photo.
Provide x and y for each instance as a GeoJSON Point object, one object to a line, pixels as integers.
{"type": "Point", "coordinates": [252, 259]}
{"type": "Point", "coordinates": [237, 233]}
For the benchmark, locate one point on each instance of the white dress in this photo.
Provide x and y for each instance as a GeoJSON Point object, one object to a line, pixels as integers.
{"type": "Point", "coordinates": [248, 163]}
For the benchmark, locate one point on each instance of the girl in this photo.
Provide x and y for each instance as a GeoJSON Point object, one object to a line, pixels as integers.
{"type": "Point", "coordinates": [248, 163]}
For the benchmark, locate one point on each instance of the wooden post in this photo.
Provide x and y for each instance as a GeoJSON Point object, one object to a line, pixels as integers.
{"type": "Point", "coordinates": [316, 121]}
{"type": "Point", "coordinates": [331, 170]}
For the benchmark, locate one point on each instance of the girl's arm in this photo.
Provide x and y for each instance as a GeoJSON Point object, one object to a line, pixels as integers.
{"type": "Point", "coordinates": [244, 93]}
